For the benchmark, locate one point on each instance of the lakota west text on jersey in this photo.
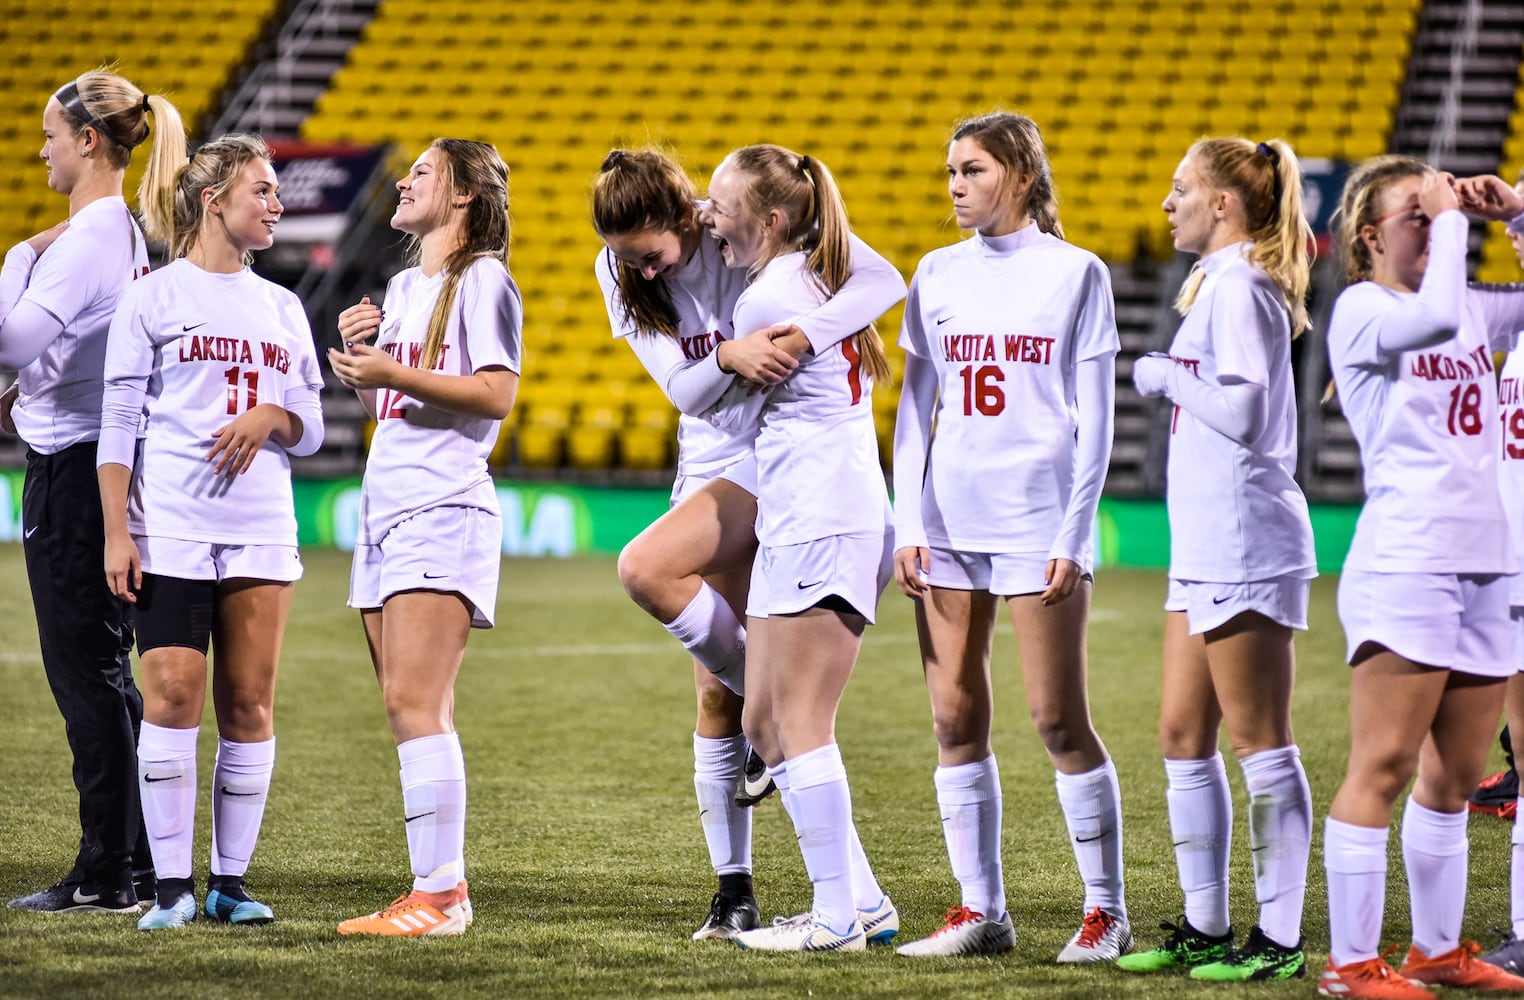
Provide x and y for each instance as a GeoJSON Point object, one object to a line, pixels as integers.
{"type": "Point", "coordinates": [234, 350]}
{"type": "Point", "coordinates": [1021, 347]}
{"type": "Point", "coordinates": [1437, 367]}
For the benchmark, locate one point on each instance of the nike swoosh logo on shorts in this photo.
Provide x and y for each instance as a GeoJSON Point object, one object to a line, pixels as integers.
{"type": "Point", "coordinates": [806, 586]}
{"type": "Point", "coordinates": [1222, 600]}
{"type": "Point", "coordinates": [435, 576]}
{"type": "Point", "coordinates": [30, 531]}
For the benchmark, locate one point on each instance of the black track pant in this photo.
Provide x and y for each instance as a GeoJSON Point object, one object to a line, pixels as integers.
{"type": "Point", "coordinates": [86, 637]}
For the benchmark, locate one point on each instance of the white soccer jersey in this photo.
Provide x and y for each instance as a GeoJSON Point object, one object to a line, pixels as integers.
{"type": "Point", "coordinates": [1236, 514]}
{"type": "Point", "coordinates": [78, 280]}
{"type": "Point", "coordinates": [189, 351]}
{"type": "Point", "coordinates": [422, 456]}
{"type": "Point", "coordinates": [704, 293]}
{"type": "Point", "coordinates": [1511, 468]}
{"type": "Point", "coordinates": [817, 455]}
{"type": "Point", "coordinates": [1426, 422]}
{"type": "Point", "coordinates": [1004, 321]}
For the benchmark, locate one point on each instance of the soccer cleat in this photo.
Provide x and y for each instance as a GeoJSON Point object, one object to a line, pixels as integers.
{"type": "Point", "coordinates": [1508, 955]}
{"type": "Point", "coordinates": [1260, 958]}
{"type": "Point", "coordinates": [729, 916]}
{"type": "Point", "coordinates": [1371, 979]}
{"type": "Point", "coordinates": [1460, 967]}
{"type": "Point", "coordinates": [466, 910]}
{"type": "Point", "coordinates": [802, 933]}
{"type": "Point", "coordinates": [228, 909]}
{"type": "Point", "coordinates": [756, 784]}
{"type": "Point", "coordinates": [1496, 795]}
{"type": "Point", "coordinates": [179, 913]}
{"type": "Point", "coordinates": [881, 923]}
{"type": "Point", "coordinates": [78, 896]}
{"type": "Point", "coordinates": [418, 914]}
{"type": "Point", "coordinates": [1185, 948]}
{"type": "Point", "coordinates": [1102, 937]}
{"type": "Point", "coordinates": [964, 932]}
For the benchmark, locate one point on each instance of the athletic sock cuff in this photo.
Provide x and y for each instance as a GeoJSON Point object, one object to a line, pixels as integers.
{"type": "Point", "coordinates": [820, 766]}
{"type": "Point", "coordinates": [966, 784]}
{"type": "Point", "coordinates": [160, 743]}
{"type": "Point", "coordinates": [432, 758]}
{"type": "Point", "coordinates": [1353, 850]}
{"type": "Point", "coordinates": [1433, 832]}
{"type": "Point", "coordinates": [1187, 774]}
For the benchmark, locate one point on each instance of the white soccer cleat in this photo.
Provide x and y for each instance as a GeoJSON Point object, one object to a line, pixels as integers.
{"type": "Point", "coordinates": [1102, 937]}
{"type": "Point", "coordinates": [802, 933]}
{"type": "Point", "coordinates": [881, 923]}
{"type": "Point", "coordinates": [965, 932]}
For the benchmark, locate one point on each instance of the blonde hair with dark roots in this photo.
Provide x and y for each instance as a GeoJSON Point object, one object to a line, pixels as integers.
{"type": "Point", "coordinates": [1267, 179]}
{"type": "Point", "coordinates": [639, 191]}
{"type": "Point", "coordinates": [1016, 143]}
{"type": "Point", "coordinates": [1360, 206]}
{"type": "Point", "coordinates": [475, 169]}
{"type": "Point", "coordinates": [802, 189]}
{"type": "Point", "coordinates": [118, 116]}
{"type": "Point", "coordinates": [216, 166]}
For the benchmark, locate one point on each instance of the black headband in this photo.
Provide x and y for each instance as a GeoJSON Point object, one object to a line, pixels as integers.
{"type": "Point", "coordinates": [69, 99]}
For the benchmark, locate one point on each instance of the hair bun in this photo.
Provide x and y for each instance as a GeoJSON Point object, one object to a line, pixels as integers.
{"type": "Point", "coordinates": [614, 159]}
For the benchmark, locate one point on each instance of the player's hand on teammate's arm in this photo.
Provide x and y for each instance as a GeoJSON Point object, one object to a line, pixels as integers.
{"type": "Point", "coordinates": [756, 357]}
{"type": "Point", "coordinates": [7, 404]}
{"type": "Point", "coordinates": [1489, 197]}
{"type": "Point", "coordinates": [239, 440]}
{"type": "Point", "coordinates": [360, 321]}
{"type": "Point", "coordinates": [361, 366]}
{"type": "Point", "coordinates": [1062, 577]}
{"type": "Point", "coordinates": [1151, 372]}
{"type": "Point", "coordinates": [45, 239]}
{"type": "Point", "coordinates": [911, 564]}
{"type": "Point", "coordinates": [124, 566]}
{"type": "Point", "coordinates": [790, 338]}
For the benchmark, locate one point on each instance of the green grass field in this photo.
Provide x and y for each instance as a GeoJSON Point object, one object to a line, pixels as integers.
{"type": "Point", "coordinates": [586, 863]}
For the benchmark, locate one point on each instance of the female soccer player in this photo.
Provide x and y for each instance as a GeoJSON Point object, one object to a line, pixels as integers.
{"type": "Point", "coordinates": [1424, 595]}
{"type": "Point", "coordinates": [671, 298]}
{"type": "Point", "coordinates": [58, 291]}
{"type": "Point", "coordinates": [1010, 347]}
{"type": "Point", "coordinates": [440, 379]}
{"type": "Point", "coordinates": [822, 512]}
{"type": "Point", "coordinates": [218, 366]}
{"type": "Point", "coordinates": [1241, 554]}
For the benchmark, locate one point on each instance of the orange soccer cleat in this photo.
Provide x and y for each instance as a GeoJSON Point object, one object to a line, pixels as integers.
{"type": "Point", "coordinates": [1460, 967]}
{"type": "Point", "coordinates": [417, 914]}
{"type": "Point", "coordinates": [1371, 979]}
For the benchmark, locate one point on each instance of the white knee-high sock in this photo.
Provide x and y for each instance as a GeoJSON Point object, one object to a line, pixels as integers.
{"type": "Point", "coordinates": [822, 813]}
{"type": "Point", "coordinates": [712, 633]}
{"type": "Point", "coordinates": [1201, 820]}
{"type": "Point", "coordinates": [240, 787]}
{"type": "Point", "coordinates": [1434, 851]}
{"type": "Point", "coordinates": [1280, 838]}
{"type": "Point", "coordinates": [434, 808]}
{"type": "Point", "coordinates": [866, 893]}
{"type": "Point", "coordinates": [1355, 860]}
{"type": "Point", "coordinates": [1092, 806]}
{"type": "Point", "coordinates": [167, 784]}
{"type": "Point", "coordinates": [1516, 870]}
{"type": "Point", "coordinates": [968, 796]}
{"type": "Point", "coordinates": [717, 766]}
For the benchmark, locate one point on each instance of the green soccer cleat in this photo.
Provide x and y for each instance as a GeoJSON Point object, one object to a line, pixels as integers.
{"type": "Point", "coordinates": [1259, 959]}
{"type": "Point", "coordinates": [1185, 948]}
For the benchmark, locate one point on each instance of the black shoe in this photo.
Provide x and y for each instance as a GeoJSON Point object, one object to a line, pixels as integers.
{"type": "Point", "coordinates": [1496, 795]}
{"type": "Point", "coordinates": [729, 916]}
{"type": "Point", "coordinates": [76, 896]}
{"type": "Point", "coordinates": [756, 783]}
{"type": "Point", "coordinates": [1508, 955]}
{"type": "Point", "coordinates": [143, 884]}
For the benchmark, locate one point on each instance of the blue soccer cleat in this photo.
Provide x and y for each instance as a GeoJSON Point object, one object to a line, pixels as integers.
{"type": "Point", "coordinates": [179, 913]}
{"type": "Point", "coordinates": [231, 910]}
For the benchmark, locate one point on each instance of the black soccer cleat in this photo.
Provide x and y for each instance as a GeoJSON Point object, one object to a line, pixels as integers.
{"type": "Point", "coordinates": [1496, 795]}
{"type": "Point", "coordinates": [78, 896]}
{"type": "Point", "coordinates": [729, 916]}
{"type": "Point", "coordinates": [756, 784]}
